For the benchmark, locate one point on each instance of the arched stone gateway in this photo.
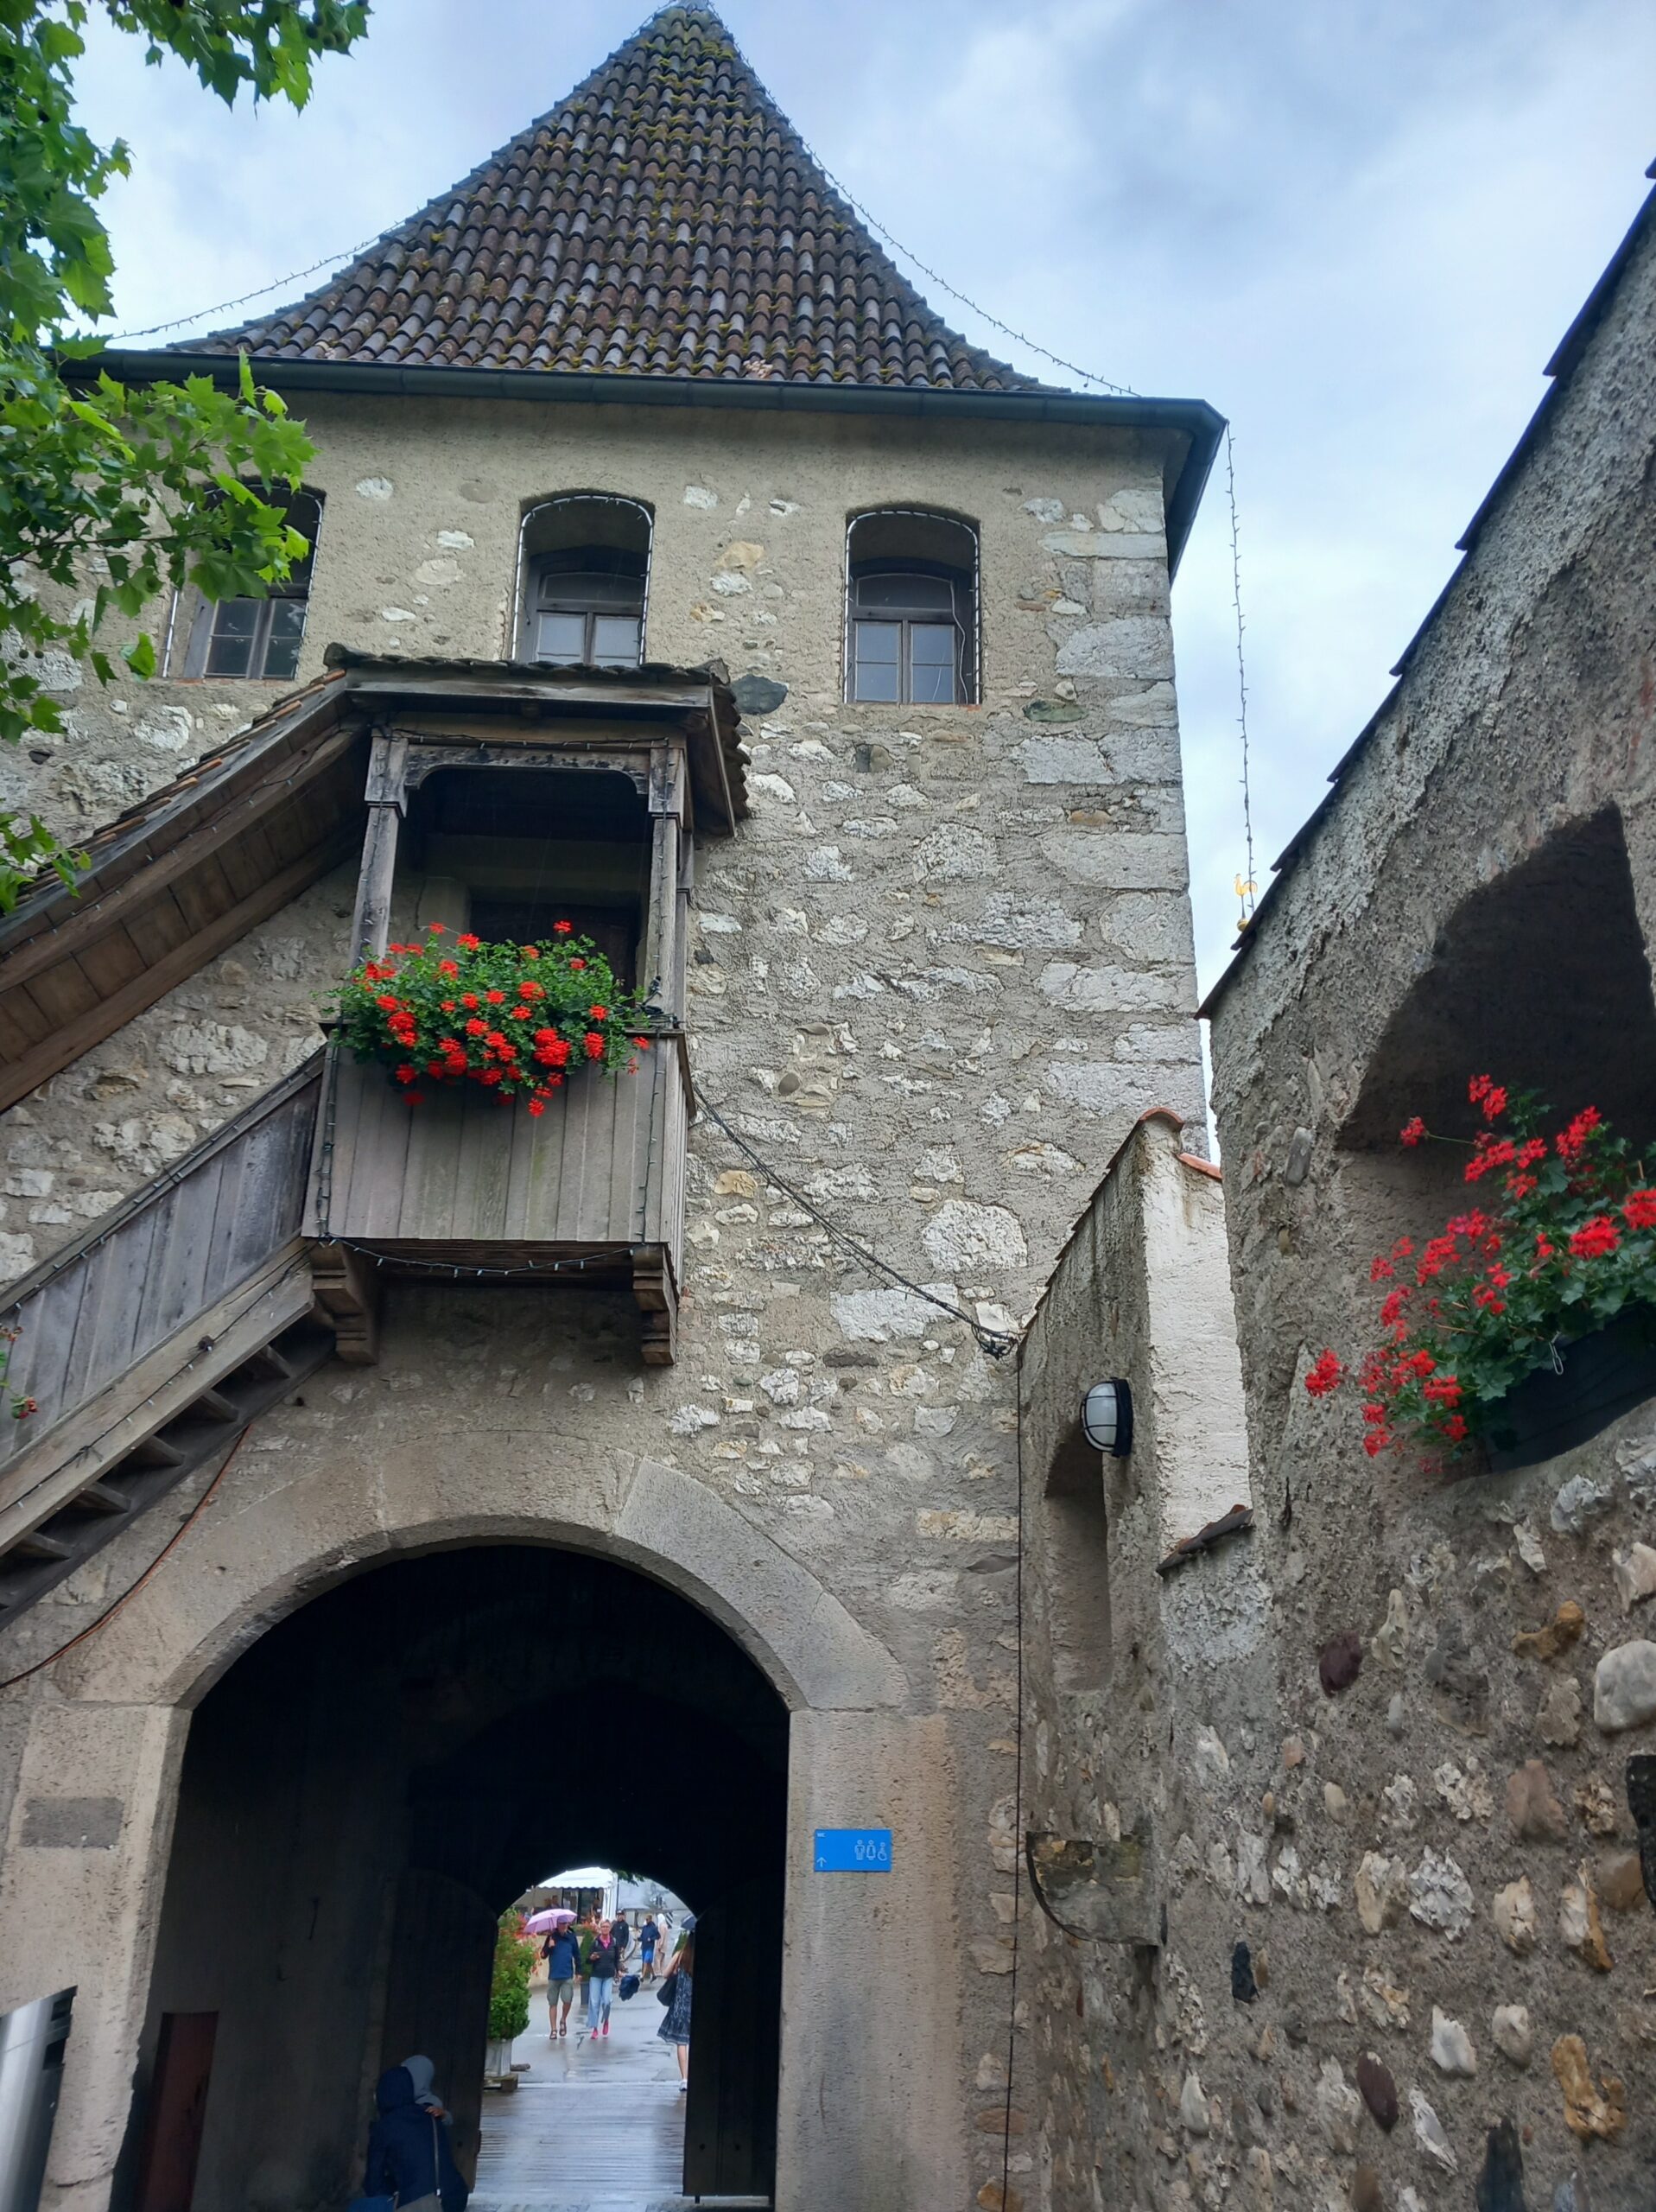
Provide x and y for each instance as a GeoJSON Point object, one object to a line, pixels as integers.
{"type": "Point", "coordinates": [369, 1786]}
{"type": "Point", "coordinates": [272, 1672]}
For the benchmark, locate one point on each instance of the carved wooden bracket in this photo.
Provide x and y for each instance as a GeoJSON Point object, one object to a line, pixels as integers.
{"type": "Point", "coordinates": [346, 1284]}
{"type": "Point", "coordinates": [657, 1295]}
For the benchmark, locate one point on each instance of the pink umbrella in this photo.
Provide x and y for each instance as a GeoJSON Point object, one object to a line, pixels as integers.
{"type": "Point", "coordinates": [538, 1922]}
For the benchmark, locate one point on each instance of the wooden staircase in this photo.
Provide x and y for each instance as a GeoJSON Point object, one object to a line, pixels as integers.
{"type": "Point", "coordinates": [150, 1345]}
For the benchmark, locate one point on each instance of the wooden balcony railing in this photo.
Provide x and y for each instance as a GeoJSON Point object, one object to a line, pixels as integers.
{"type": "Point", "coordinates": [590, 1193]}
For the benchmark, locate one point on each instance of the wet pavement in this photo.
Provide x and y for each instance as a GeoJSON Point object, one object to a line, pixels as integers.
{"type": "Point", "coordinates": [595, 2124]}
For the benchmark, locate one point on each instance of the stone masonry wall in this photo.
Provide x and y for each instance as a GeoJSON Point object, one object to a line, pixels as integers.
{"type": "Point", "coordinates": [1422, 1835]}
{"type": "Point", "coordinates": [935, 978]}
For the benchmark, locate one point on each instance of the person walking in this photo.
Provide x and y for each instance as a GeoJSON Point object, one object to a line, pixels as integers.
{"type": "Point", "coordinates": [603, 1962]}
{"type": "Point", "coordinates": [409, 2156]}
{"type": "Point", "coordinates": [675, 1993]}
{"type": "Point", "coordinates": [561, 1951]}
{"type": "Point", "coordinates": [649, 1936]}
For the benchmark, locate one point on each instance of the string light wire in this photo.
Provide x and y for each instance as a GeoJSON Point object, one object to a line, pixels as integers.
{"type": "Point", "coordinates": [132, 1589]}
{"type": "Point", "coordinates": [1247, 888]}
{"type": "Point", "coordinates": [223, 307]}
{"type": "Point", "coordinates": [996, 1342]}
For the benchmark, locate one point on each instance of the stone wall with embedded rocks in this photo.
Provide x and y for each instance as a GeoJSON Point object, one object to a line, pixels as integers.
{"type": "Point", "coordinates": [937, 978]}
{"type": "Point", "coordinates": [1410, 1946]}
{"type": "Point", "coordinates": [1001, 887]}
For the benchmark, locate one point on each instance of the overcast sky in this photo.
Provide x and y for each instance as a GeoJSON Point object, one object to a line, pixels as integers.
{"type": "Point", "coordinates": [1358, 229]}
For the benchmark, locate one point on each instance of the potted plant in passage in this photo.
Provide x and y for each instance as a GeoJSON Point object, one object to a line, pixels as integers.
{"type": "Point", "coordinates": [1530, 1321]}
{"type": "Point", "coordinates": [515, 1019]}
{"type": "Point", "coordinates": [514, 1959]}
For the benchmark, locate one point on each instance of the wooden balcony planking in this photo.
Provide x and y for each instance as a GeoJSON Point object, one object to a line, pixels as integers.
{"type": "Point", "coordinates": [462, 1167]}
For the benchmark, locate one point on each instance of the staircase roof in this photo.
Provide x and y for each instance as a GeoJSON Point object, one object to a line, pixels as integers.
{"type": "Point", "coordinates": [665, 219]}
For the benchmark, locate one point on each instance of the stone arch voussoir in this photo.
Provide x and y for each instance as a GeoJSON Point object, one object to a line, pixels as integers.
{"type": "Point", "coordinates": [240, 1573]}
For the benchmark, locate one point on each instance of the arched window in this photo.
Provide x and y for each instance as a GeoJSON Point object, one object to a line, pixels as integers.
{"type": "Point", "coordinates": [585, 573]}
{"type": "Point", "coordinates": [912, 629]}
{"type": "Point", "coordinates": [258, 638]}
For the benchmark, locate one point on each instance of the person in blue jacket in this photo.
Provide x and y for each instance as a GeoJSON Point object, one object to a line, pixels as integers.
{"type": "Point", "coordinates": [561, 1951]}
{"type": "Point", "coordinates": [409, 2156]}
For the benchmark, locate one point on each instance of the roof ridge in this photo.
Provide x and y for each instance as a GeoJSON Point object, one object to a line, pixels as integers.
{"type": "Point", "coordinates": [664, 218]}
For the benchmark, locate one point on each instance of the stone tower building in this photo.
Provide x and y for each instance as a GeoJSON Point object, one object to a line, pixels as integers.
{"type": "Point", "coordinates": [676, 566]}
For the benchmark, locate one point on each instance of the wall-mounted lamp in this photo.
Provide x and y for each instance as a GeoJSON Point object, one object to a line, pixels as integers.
{"type": "Point", "coordinates": [1106, 1418]}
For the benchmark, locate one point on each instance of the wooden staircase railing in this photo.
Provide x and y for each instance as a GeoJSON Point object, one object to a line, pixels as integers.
{"type": "Point", "coordinates": [149, 1345]}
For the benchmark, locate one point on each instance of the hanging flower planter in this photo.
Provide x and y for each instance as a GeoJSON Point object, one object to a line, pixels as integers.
{"type": "Point", "coordinates": [515, 1019]}
{"type": "Point", "coordinates": [1530, 1323]}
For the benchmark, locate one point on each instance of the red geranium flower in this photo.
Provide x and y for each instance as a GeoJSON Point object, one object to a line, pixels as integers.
{"type": "Point", "coordinates": [594, 1044]}
{"type": "Point", "coordinates": [1595, 1239]}
{"type": "Point", "coordinates": [471, 943]}
{"type": "Point", "coordinates": [1573, 1141]}
{"type": "Point", "coordinates": [1639, 1209]}
{"type": "Point", "coordinates": [1413, 1132]}
{"type": "Point", "coordinates": [1325, 1376]}
{"type": "Point", "coordinates": [563, 929]}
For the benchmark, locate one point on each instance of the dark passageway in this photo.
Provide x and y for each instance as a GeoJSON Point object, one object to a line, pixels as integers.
{"type": "Point", "coordinates": [368, 1788]}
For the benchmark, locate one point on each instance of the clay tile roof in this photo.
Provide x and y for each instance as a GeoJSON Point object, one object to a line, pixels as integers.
{"type": "Point", "coordinates": [665, 219]}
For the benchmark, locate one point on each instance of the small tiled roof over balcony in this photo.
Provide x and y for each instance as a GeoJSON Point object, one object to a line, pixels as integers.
{"type": "Point", "coordinates": [664, 220]}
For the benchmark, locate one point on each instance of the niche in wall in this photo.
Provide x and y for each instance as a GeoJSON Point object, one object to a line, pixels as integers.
{"type": "Point", "coordinates": [1540, 978]}
{"type": "Point", "coordinates": [1075, 1548]}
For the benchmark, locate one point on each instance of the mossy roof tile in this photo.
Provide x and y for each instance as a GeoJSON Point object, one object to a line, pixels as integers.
{"type": "Point", "coordinates": [666, 177]}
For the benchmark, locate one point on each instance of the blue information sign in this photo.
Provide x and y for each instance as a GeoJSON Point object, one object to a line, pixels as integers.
{"type": "Point", "coordinates": [853, 1851]}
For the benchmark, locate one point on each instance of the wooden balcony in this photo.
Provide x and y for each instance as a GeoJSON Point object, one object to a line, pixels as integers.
{"type": "Point", "coordinates": [590, 1194]}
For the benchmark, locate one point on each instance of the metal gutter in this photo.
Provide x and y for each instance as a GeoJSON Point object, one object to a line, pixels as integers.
{"type": "Point", "coordinates": [1190, 418]}
{"type": "Point", "coordinates": [1565, 358]}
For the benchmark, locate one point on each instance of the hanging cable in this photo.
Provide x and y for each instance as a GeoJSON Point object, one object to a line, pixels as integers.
{"type": "Point", "coordinates": [995, 1343]}
{"type": "Point", "coordinates": [1018, 1820]}
{"type": "Point", "coordinates": [294, 277]}
{"type": "Point", "coordinates": [1245, 886]}
{"type": "Point", "coordinates": [132, 1590]}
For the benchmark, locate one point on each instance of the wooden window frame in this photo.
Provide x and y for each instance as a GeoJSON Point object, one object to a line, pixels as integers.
{"type": "Point", "coordinates": [897, 541]}
{"type": "Point", "coordinates": [906, 621]}
{"type": "Point", "coordinates": [205, 613]}
{"type": "Point", "coordinates": [582, 523]}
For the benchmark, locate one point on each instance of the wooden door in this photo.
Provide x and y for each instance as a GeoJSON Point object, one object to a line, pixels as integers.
{"type": "Point", "coordinates": [730, 2125]}
{"type": "Point", "coordinates": [437, 2002]}
{"type": "Point", "coordinates": [178, 2108]}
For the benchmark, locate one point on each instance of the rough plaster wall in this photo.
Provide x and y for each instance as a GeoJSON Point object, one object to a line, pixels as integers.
{"type": "Point", "coordinates": [1132, 1752]}
{"type": "Point", "coordinates": [935, 978]}
{"type": "Point", "coordinates": [1528, 706]}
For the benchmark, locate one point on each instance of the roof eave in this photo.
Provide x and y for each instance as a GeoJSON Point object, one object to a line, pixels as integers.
{"type": "Point", "coordinates": [1193, 419]}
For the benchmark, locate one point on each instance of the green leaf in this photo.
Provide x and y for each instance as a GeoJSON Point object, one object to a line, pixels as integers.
{"type": "Point", "coordinates": [140, 656]}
